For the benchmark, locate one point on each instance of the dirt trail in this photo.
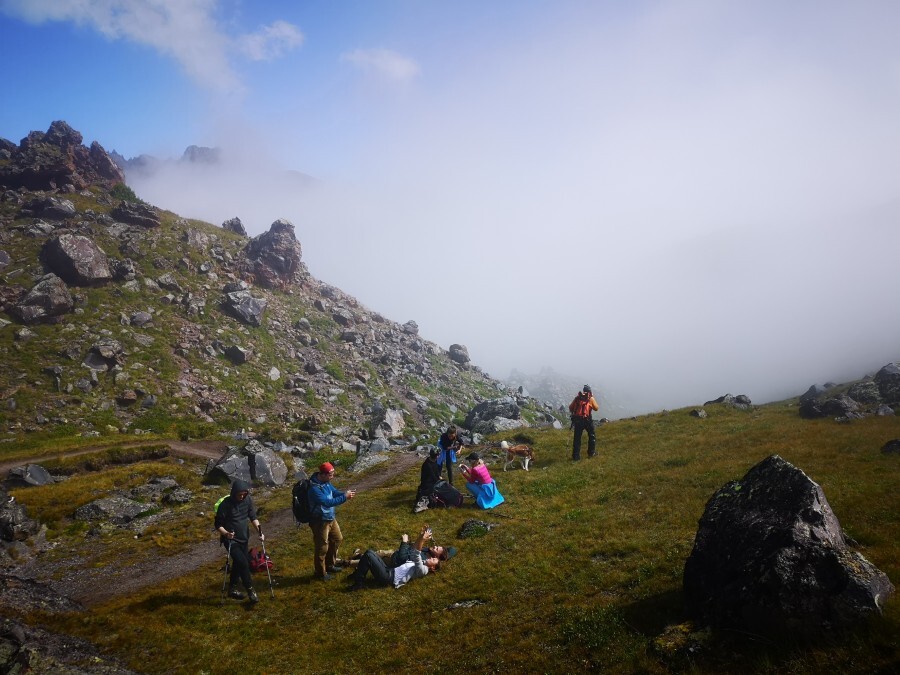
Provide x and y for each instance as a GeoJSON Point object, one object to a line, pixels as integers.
{"type": "Point", "coordinates": [92, 586]}
{"type": "Point", "coordinates": [207, 449]}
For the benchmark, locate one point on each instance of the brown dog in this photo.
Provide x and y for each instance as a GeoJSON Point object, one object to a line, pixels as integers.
{"type": "Point", "coordinates": [518, 453]}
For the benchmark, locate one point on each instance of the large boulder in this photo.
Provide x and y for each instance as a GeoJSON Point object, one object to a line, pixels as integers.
{"type": "Point", "coordinates": [253, 462]}
{"type": "Point", "coordinates": [30, 475]}
{"type": "Point", "coordinates": [865, 392]}
{"type": "Point", "coordinates": [133, 213]}
{"type": "Point", "coordinates": [814, 391]}
{"type": "Point", "coordinates": [888, 381]}
{"type": "Point", "coordinates": [273, 259]}
{"type": "Point", "coordinates": [486, 411]}
{"type": "Point", "coordinates": [770, 556]}
{"type": "Point", "coordinates": [459, 354]}
{"type": "Point", "coordinates": [116, 510]}
{"type": "Point", "coordinates": [244, 307]}
{"type": "Point", "coordinates": [387, 423]}
{"type": "Point", "coordinates": [76, 259]}
{"type": "Point", "coordinates": [48, 299]}
{"type": "Point", "coordinates": [266, 466]}
{"type": "Point", "coordinates": [52, 208]}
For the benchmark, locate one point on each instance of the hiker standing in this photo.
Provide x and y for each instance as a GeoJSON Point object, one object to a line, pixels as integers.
{"type": "Point", "coordinates": [581, 407]}
{"type": "Point", "coordinates": [327, 538]}
{"type": "Point", "coordinates": [448, 444]}
{"type": "Point", "coordinates": [430, 474]}
{"type": "Point", "coordinates": [233, 519]}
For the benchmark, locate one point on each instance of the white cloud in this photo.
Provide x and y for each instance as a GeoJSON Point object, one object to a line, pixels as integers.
{"type": "Point", "coordinates": [384, 62]}
{"type": "Point", "coordinates": [186, 30]}
{"type": "Point", "coordinates": [271, 42]}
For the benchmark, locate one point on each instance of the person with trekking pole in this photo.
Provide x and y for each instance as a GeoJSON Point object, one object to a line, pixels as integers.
{"type": "Point", "coordinates": [580, 408]}
{"type": "Point", "coordinates": [233, 519]}
{"type": "Point", "coordinates": [323, 499]}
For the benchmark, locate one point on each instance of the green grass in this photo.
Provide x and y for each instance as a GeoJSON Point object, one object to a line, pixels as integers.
{"type": "Point", "coordinates": [582, 571]}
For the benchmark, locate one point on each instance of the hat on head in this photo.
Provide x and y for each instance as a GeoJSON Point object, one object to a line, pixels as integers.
{"type": "Point", "coordinates": [473, 456]}
{"type": "Point", "coordinates": [504, 445]}
{"type": "Point", "coordinates": [326, 467]}
{"type": "Point", "coordinates": [586, 389]}
{"type": "Point", "coordinates": [451, 551]}
{"type": "Point", "coordinates": [433, 453]}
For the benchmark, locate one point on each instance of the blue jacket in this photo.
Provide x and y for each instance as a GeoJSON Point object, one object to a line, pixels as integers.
{"type": "Point", "coordinates": [323, 497]}
{"type": "Point", "coordinates": [448, 452]}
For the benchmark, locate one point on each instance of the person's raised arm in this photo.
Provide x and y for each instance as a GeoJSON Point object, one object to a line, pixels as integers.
{"type": "Point", "coordinates": [424, 536]}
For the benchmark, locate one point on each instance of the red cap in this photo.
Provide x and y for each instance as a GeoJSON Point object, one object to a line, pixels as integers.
{"type": "Point", "coordinates": [326, 467]}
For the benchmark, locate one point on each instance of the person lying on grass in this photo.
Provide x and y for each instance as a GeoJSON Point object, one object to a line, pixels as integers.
{"type": "Point", "coordinates": [393, 557]}
{"type": "Point", "coordinates": [412, 567]}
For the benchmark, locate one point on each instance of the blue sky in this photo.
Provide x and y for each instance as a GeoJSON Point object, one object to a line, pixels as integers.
{"type": "Point", "coordinates": [669, 198]}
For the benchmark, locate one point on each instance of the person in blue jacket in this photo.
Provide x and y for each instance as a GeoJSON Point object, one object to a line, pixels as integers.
{"type": "Point", "coordinates": [327, 538]}
{"type": "Point", "coordinates": [448, 444]}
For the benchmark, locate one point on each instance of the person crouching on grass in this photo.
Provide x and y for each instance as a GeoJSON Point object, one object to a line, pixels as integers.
{"type": "Point", "coordinates": [414, 567]}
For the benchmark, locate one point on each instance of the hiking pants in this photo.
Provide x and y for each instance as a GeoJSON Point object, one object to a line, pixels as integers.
{"type": "Point", "coordinates": [580, 424]}
{"type": "Point", "coordinates": [372, 562]}
{"type": "Point", "coordinates": [240, 565]}
{"type": "Point", "coordinates": [449, 467]}
{"type": "Point", "coordinates": [327, 540]}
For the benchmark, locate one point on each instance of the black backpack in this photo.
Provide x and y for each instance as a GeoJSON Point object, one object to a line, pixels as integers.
{"type": "Point", "coordinates": [300, 502]}
{"type": "Point", "coordinates": [445, 495]}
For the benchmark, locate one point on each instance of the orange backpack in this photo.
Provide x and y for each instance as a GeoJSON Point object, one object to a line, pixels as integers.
{"type": "Point", "coordinates": [581, 406]}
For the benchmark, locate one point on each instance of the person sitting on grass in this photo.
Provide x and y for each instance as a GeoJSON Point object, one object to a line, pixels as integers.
{"type": "Point", "coordinates": [396, 575]}
{"type": "Point", "coordinates": [480, 483]}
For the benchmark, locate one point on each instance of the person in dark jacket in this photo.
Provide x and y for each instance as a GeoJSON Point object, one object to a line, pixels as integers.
{"type": "Point", "coordinates": [233, 519]}
{"type": "Point", "coordinates": [580, 408]}
{"type": "Point", "coordinates": [448, 444]}
{"type": "Point", "coordinates": [430, 474]}
{"type": "Point", "coordinates": [327, 537]}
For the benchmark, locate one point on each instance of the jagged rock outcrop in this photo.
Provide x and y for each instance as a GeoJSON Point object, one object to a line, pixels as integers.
{"type": "Point", "coordinates": [76, 259]}
{"type": "Point", "coordinates": [48, 298]}
{"type": "Point", "coordinates": [235, 225]}
{"type": "Point", "coordinates": [46, 161]}
{"type": "Point", "coordinates": [770, 556]}
{"type": "Point", "coordinates": [243, 305]}
{"type": "Point", "coordinates": [273, 259]}
{"type": "Point", "coordinates": [814, 391]}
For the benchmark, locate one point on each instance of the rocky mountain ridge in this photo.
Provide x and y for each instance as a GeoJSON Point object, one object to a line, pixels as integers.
{"type": "Point", "coordinates": [123, 317]}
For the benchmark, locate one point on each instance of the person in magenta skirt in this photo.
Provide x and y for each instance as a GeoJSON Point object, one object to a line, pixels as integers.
{"type": "Point", "coordinates": [480, 483]}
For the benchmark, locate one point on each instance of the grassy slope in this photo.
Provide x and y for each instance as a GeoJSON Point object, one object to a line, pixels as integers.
{"type": "Point", "coordinates": [582, 572]}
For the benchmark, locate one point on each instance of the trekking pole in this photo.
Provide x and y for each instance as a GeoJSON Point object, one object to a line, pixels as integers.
{"type": "Point", "coordinates": [266, 559]}
{"type": "Point", "coordinates": [227, 569]}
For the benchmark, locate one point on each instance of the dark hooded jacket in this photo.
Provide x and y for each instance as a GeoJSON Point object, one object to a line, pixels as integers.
{"type": "Point", "coordinates": [234, 515]}
{"type": "Point", "coordinates": [430, 474]}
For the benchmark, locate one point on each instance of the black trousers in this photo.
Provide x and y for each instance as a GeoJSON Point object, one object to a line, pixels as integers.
{"type": "Point", "coordinates": [240, 564]}
{"type": "Point", "coordinates": [579, 425]}
{"type": "Point", "coordinates": [372, 562]}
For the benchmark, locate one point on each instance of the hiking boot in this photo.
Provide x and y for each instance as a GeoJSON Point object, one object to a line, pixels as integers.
{"type": "Point", "coordinates": [235, 593]}
{"type": "Point", "coordinates": [422, 505]}
{"type": "Point", "coordinates": [251, 594]}
{"type": "Point", "coordinates": [327, 577]}
{"type": "Point", "coordinates": [334, 569]}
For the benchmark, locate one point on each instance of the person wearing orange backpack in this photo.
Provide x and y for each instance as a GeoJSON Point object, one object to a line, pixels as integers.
{"type": "Point", "coordinates": [580, 408]}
